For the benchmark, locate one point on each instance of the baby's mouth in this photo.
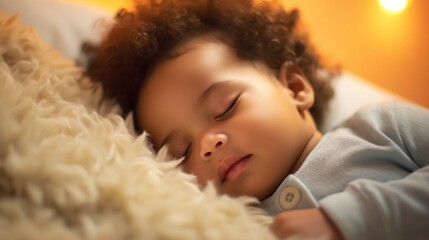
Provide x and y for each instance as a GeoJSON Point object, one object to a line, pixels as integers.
{"type": "Point", "coordinates": [230, 169]}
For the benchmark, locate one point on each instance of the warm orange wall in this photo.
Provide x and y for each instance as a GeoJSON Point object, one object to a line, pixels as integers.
{"type": "Point", "coordinates": [391, 51]}
{"type": "Point", "coordinates": [109, 5]}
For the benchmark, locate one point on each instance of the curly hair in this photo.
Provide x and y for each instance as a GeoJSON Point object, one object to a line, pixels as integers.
{"type": "Point", "coordinates": [257, 31]}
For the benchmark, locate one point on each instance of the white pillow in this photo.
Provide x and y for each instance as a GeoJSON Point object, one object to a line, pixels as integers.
{"type": "Point", "coordinates": [62, 25]}
{"type": "Point", "coordinates": [351, 94]}
{"type": "Point", "coordinates": [65, 26]}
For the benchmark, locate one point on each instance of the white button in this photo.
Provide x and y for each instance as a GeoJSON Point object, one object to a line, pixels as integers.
{"type": "Point", "coordinates": [289, 197]}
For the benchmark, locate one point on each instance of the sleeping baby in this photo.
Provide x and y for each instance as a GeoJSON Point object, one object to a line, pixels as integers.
{"type": "Point", "coordinates": [236, 92]}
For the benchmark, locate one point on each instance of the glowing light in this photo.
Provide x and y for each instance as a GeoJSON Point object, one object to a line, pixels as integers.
{"type": "Point", "coordinates": [394, 6]}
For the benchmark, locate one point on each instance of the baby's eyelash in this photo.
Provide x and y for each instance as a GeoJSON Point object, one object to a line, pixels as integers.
{"type": "Point", "coordinates": [187, 153]}
{"type": "Point", "coordinates": [226, 113]}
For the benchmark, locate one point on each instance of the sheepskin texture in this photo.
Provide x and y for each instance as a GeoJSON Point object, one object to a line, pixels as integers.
{"type": "Point", "coordinates": [72, 168]}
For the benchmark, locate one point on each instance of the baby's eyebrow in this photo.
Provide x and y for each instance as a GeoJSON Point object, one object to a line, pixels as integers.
{"type": "Point", "coordinates": [206, 94]}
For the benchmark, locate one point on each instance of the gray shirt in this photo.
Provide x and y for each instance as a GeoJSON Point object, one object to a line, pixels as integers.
{"type": "Point", "coordinates": [370, 175]}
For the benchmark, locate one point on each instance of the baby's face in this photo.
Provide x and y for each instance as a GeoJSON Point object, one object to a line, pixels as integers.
{"type": "Point", "coordinates": [231, 119]}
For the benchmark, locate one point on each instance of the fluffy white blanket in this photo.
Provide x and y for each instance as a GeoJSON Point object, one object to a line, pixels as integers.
{"type": "Point", "coordinates": [71, 167]}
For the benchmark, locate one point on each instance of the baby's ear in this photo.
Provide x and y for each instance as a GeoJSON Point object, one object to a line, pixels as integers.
{"type": "Point", "coordinates": [294, 79]}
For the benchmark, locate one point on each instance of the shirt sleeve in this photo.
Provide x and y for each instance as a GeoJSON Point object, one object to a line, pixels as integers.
{"type": "Point", "coordinates": [397, 209]}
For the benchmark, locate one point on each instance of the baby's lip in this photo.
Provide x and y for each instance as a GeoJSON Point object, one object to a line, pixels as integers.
{"type": "Point", "coordinates": [226, 165]}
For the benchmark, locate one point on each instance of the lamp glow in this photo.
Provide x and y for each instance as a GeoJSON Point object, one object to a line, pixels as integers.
{"type": "Point", "coordinates": [394, 6]}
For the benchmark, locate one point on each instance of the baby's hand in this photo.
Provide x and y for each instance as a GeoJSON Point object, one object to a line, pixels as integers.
{"type": "Point", "coordinates": [307, 224]}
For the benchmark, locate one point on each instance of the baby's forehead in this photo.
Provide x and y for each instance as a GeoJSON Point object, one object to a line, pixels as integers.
{"type": "Point", "coordinates": [195, 58]}
{"type": "Point", "coordinates": [189, 43]}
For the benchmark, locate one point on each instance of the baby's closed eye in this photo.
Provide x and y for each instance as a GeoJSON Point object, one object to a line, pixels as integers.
{"type": "Point", "coordinates": [229, 109]}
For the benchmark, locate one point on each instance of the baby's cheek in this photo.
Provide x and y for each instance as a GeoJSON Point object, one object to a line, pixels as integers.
{"type": "Point", "coordinates": [202, 173]}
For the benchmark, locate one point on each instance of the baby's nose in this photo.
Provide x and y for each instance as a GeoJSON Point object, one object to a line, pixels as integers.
{"type": "Point", "coordinates": [210, 143]}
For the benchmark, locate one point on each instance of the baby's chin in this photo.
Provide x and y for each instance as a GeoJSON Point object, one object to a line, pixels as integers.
{"type": "Point", "coordinates": [243, 191]}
